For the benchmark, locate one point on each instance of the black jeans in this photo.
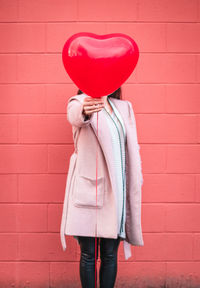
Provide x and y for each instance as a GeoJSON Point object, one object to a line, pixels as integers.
{"type": "Point", "coordinates": [108, 267]}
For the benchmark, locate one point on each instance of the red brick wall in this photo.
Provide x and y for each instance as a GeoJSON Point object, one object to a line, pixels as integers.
{"type": "Point", "coordinates": [36, 139]}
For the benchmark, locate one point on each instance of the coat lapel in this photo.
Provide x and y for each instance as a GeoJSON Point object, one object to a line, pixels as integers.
{"type": "Point", "coordinates": [134, 178]}
{"type": "Point", "coordinates": [103, 138]}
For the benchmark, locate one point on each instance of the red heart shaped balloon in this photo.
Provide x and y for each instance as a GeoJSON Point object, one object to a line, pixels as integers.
{"type": "Point", "coordinates": [99, 64]}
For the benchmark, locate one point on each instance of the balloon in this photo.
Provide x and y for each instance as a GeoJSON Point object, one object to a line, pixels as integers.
{"type": "Point", "coordinates": [99, 64]}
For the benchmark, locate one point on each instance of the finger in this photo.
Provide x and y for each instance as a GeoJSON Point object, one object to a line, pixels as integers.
{"type": "Point", "coordinates": [93, 100]}
{"type": "Point", "coordinates": [93, 111]}
{"type": "Point", "coordinates": [91, 107]}
{"type": "Point", "coordinates": [93, 104]}
{"type": "Point", "coordinates": [90, 98]}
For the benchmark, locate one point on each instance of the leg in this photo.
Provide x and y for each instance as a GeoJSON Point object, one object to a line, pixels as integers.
{"type": "Point", "coordinates": [108, 268]}
{"type": "Point", "coordinates": [87, 261]}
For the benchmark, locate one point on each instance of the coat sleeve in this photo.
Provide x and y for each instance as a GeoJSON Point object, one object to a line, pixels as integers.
{"type": "Point", "coordinates": [75, 114]}
{"type": "Point", "coordinates": [133, 122]}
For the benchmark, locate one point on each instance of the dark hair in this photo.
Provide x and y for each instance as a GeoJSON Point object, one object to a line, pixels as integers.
{"type": "Point", "coordinates": [116, 94]}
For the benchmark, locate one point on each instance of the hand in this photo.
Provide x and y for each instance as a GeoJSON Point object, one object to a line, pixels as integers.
{"type": "Point", "coordinates": [89, 105]}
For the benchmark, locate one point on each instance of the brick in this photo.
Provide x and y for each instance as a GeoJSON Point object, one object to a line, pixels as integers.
{"type": "Point", "coordinates": [9, 129]}
{"type": "Point", "coordinates": [35, 274]}
{"type": "Point", "coordinates": [183, 37]}
{"type": "Point", "coordinates": [31, 218]}
{"type": "Point", "coordinates": [45, 68]}
{"type": "Point", "coordinates": [23, 159]}
{"type": "Point", "coordinates": [166, 128]}
{"type": "Point", "coordinates": [142, 274]}
{"type": "Point", "coordinates": [54, 217]}
{"type": "Point", "coordinates": [167, 11]}
{"type": "Point", "coordinates": [57, 96]}
{"type": "Point", "coordinates": [103, 10]}
{"type": "Point", "coordinates": [44, 188]}
{"type": "Point", "coordinates": [22, 98]}
{"type": "Point", "coordinates": [155, 158]}
{"type": "Point", "coordinates": [183, 218]}
{"type": "Point", "coordinates": [62, 274]}
{"type": "Point", "coordinates": [196, 247]}
{"type": "Point", "coordinates": [22, 37]}
{"type": "Point", "coordinates": [166, 246]}
{"type": "Point", "coordinates": [9, 188]}
{"type": "Point", "coordinates": [44, 129]}
{"type": "Point", "coordinates": [46, 247]}
{"type": "Point", "coordinates": [59, 158]}
{"type": "Point", "coordinates": [157, 211]}
{"type": "Point", "coordinates": [46, 11]}
{"type": "Point", "coordinates": [170, 187]}
{"type": "Point", "coordinates": [166, 68]}
{"type": "Point", "coordinates": [183, 158]}
{"type": "Point", "coordinates": [9, 11]}
{"type": "Point", "coordinates": [186, 273]}
{"type": "Point", "coordinates": [9, 247]}
{"type": "Point", "coordinates": [8, 217]}
{"type": "Point", "coordinates": [8, 68]}
{"type": "Point", "coordinates": [182, 98]}
{"type": "Point", "coordinates": [146, 98]}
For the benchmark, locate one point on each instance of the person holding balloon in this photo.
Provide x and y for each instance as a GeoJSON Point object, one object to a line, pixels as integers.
{"type": "Point", "coordinates": [108, 246]}
{"type": "Point", "coordinates": [102, 204]}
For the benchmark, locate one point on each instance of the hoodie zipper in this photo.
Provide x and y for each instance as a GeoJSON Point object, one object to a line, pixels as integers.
{"type": "Point", "coordinates": [121, 226]}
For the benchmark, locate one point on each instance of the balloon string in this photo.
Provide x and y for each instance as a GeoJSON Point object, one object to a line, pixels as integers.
{"type": "Point", "coordinates": [96, 208]}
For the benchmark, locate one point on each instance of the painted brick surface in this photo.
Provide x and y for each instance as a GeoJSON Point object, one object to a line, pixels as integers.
{"type": "Point", "coordinates": [36, 139]}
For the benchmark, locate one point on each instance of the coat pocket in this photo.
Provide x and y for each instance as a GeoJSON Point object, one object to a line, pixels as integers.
{"type": "Point", "coordinates": [84, 191]}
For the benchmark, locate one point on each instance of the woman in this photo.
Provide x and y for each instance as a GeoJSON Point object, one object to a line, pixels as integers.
{"type": "Point", "coordinates": [119, 182]}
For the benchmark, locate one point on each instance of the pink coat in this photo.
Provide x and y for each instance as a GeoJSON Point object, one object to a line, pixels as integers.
{"type": "Point", "coordinates": [79, 209]}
